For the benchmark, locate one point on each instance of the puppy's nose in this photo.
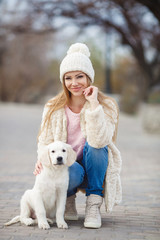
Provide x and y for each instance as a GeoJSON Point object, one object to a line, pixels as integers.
{"type": "Point", "coordinates": [59, 160]}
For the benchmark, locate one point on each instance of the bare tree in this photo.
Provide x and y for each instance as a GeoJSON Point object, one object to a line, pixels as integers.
{"type": "Point", "coordinates": [136, 22]}
{"type": "Point", "coordinates": [153, 6]}
{"type": "Point", "coordinates": [24, 74]}
{"type": "Point", "coordinates": [127, 18]}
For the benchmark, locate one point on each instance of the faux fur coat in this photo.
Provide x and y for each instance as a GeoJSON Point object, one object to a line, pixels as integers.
{"type": "Point", "coordinates": [98, 130]}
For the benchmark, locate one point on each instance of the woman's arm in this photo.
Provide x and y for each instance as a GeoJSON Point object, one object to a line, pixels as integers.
{"type": "Point", "coordinates": [44, 139]}
{"type": "Point", "coordinates": [100, 126]}
{"type": "Point", "coordinates": [46, 136]}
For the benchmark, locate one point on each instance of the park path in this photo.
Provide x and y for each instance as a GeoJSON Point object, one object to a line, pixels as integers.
{"type": "Point", "coordinates": [138, 216]}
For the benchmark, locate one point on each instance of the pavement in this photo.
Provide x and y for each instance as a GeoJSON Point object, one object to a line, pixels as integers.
{"type": "Point", "coordinates": [137, 217]}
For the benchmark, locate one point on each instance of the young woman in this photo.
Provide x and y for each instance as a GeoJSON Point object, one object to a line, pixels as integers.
{"type": "Point", "coordinates": [86, 119]}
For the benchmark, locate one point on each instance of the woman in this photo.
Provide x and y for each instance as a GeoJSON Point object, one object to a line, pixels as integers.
{"type": "Point", "coordinates": [86, 119]}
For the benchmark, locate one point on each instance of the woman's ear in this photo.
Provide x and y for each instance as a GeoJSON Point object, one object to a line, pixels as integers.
{"type": "Point", "coordinates": [71, 155]}
{"type": "Point", "coordinates": [45, 157]}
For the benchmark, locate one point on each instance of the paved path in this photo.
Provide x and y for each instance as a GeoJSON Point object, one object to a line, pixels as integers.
{"type": "Point", "coordinates": [138, 217]}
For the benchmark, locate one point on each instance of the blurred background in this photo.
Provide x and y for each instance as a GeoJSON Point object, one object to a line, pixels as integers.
{"type": "Point", "coordinates": [124, 40]}
{"type": "Point", "coordinates": [123, 37]}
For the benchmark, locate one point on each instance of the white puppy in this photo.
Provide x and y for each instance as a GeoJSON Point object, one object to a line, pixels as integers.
{"type": "Point", "coordinates": [47, 198]}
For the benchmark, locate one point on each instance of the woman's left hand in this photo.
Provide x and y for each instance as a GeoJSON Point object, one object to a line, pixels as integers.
{"type": "Point", "coordinates": [91, 95]}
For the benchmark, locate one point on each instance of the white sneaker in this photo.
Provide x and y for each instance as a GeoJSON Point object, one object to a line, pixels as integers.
{"type": "Point", "coordinates": [92, 212]}
{"type": "Point", "coordinates": [70, 211]}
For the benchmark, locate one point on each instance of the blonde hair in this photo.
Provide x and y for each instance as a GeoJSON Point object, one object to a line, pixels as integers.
{"type": "Point", "coordinates": [63, 98]}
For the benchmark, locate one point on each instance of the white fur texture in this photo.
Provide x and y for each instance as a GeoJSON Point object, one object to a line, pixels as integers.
{"type": "Point", "coordinates": [80, 48]}
{"type": "Point", "coordinates": [77, 59]}
{"type": "Point", "coordinates": [47, 199]}
{"type": "Point", "coordinates": [98, 130]}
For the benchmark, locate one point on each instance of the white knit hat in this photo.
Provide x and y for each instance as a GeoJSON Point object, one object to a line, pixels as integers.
{"type": "Point", "coordinates": [77, 59]}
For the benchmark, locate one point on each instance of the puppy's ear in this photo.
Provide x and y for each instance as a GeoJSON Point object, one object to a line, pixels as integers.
{"type": "Point", "coordinates": [45, 157]}
{"type": "Point", "coordinates": [71, 155]}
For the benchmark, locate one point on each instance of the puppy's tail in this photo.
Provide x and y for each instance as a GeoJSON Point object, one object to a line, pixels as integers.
{"type": "Point", "coordinates": [14, 220]}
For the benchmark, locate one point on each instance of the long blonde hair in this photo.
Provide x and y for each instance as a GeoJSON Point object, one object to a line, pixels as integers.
{"type": "Point", "coordinates": [63, 98]}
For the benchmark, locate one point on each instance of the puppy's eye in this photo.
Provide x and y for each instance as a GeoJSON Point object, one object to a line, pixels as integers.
{"type": "Point", "coordinates": [63, 150]}
{"type": "Point", "coordinates": [53, 151]}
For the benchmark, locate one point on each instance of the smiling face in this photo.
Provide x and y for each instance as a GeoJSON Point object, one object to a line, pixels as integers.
{"type": "Point", "coordinates": [76, 82]}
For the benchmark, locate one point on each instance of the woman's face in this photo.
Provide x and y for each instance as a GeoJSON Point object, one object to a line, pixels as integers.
{"type": "Point", "coordinates": [76, 82]}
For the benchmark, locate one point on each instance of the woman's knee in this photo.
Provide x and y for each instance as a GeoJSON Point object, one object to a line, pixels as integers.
{"type": "Point", "coordinates": [96, 153]}
{"type": "Point", "coordinates": [76, 175]}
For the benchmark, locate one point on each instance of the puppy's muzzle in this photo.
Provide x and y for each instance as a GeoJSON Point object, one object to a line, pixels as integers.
{"type": "Point", "coordinates": [59, 160]}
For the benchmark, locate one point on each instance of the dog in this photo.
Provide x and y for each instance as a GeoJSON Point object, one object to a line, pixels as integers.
{"type": "Point", "coordinates": [47, 199]}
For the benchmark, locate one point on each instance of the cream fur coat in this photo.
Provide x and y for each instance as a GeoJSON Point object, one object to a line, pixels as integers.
{"type": "Point", "coordinates": [98, 130]}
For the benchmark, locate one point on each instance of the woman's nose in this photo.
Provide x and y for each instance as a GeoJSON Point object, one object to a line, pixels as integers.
{"type": "Point", "coordinates": [74, 82]}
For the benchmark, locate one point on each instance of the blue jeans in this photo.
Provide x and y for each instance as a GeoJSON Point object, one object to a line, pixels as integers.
{"type": "Point", "coordinates": [89, 172]}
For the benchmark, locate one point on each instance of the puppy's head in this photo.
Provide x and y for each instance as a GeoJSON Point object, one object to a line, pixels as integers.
{"type": "Point", "coordinates": [58, 153]}
{"type": "Point", "coordinates": [61, 153]}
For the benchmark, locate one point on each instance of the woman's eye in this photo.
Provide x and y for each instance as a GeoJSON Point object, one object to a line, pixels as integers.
{"type": "Point", "coordinates": [67, 78]}
{"type": "Point", "coordinates": [81, 76]}
{"type": "Point", "coordinates": [63, 150]}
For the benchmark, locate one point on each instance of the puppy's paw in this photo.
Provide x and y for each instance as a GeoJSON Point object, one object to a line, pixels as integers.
{"type": "Point", "coordinates": [28, 221]}
{"type": "Point", "coordinates": [43, 225]}
{"type": "Point", "coordinates": [62, 225]}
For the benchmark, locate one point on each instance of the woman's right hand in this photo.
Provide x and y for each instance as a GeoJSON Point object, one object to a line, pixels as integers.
{"type": "Point", "coordinates": [38, 168]}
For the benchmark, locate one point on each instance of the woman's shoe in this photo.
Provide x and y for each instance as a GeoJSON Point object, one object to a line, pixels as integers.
{"type": "Point", "coordinates": [70, 211]}
{"type": "Point", "coordinates": [92, 212]}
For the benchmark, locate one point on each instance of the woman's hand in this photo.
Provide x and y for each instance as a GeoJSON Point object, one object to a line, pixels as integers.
{"type": "Point", "coordinates": [91, 95]}
{"type": "Point", "coordinates": [38, 168]}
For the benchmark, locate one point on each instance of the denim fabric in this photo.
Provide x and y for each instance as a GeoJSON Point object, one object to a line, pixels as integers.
{"type": "Point", "coordinates": [89, 172]}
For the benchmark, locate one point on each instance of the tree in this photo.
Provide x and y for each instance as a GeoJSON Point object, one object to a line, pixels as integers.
{"type": "Point", "coordinates": [24, 74]}
{"type": "Point", "coordinates": [154, 7]}
{"type": "Point", "coordinates": [136, 22]}
{"type": "Point", "coordinates": [127, 18]}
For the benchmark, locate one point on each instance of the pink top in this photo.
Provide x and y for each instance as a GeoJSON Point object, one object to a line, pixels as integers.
{"type": "Point", "coordinates": [74, 134]}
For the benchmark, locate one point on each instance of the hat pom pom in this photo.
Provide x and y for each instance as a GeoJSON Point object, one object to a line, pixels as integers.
{"type": "Point", "coordinates": [79, 47]}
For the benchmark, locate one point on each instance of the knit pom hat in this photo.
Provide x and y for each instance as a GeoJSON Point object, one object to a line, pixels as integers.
{"type": "Point", "coordinates": [77, 59]}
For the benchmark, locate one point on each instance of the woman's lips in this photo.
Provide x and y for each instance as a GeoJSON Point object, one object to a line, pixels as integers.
{"type": "Point", "coordinates": [76, 89]}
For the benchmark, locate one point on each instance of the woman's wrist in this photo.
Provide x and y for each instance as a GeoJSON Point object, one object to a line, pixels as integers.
{"type": "Point", "coordinates": [94, 104]}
